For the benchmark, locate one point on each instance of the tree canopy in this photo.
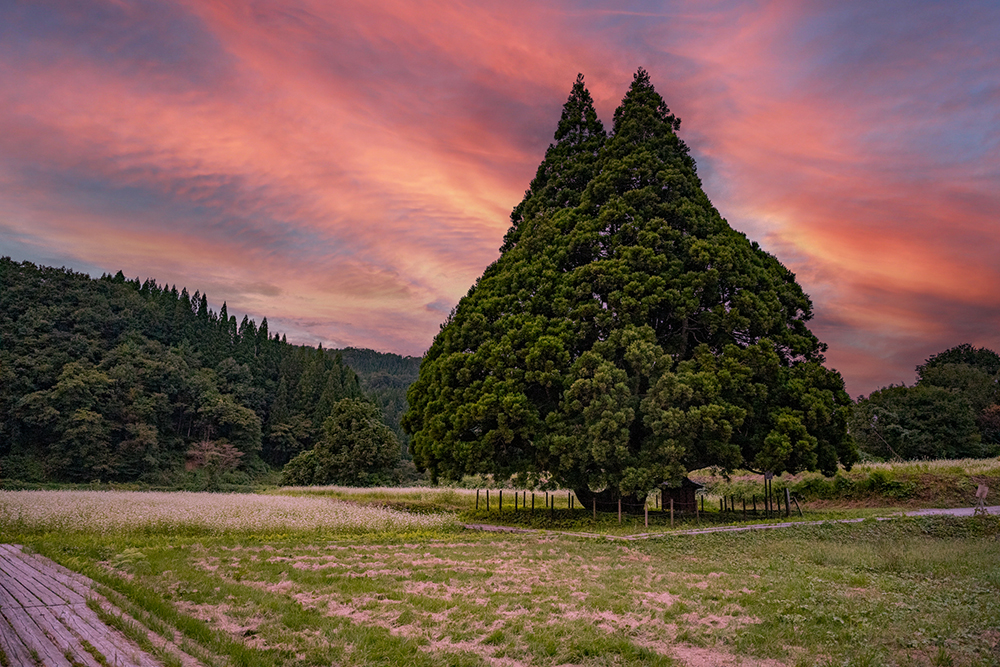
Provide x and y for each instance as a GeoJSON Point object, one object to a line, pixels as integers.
{"type": "Point", "coordinates": [356, 449]}
{"type": "Point", "coordinates": [953, 410]}
{"type": "Point", "coordinates": [121, 380]}
{"type": "Point", "coordinates": [627, 333]}
{"type": "Point", "coordinates": [385, 377]}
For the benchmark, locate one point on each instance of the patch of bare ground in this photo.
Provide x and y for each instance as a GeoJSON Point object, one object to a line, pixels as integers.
{"type": "Point", "coordinates": [862, 503]}
{"type": "Point", "coordinates": [385, 618]}
{"type": "Point", "coordinates": [696, 656]}
{"type": "Point", "coordinates": [283, 587]}
{"type": "Point", "coordinates": [661, 600]}
{"type": "Point", "coordinates": [223, 617]}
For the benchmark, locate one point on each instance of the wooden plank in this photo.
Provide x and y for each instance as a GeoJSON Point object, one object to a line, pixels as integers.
{"type": "Point", "coordinates": [106, 639]}
{"type": "Point", "coordinates": [72, 580]}
{"type": "Point", "coordinates": [17, 652]}
{"type": "Point", "coordinates": [7, 600]}
{"type": "Point", "coordinates": [13, 568]}
{"type": "Point", "coordinates": [24, 580]}
{"type": "Point", "coordinates": [27, 582]}
{"type": "Point", "coordinates": [45, 572]}
{"type": "Point", "coordinates": [18, 550]}
{"type": "Point", "coordinates": [42, 586]}
{"type": "Point", "coordinates": [22, 596]}
{"type": "Point", "coordinates": [77, 583]}
{"type": "Point", "coordinates": [60, 635]}
{"type": "Point", "coordinates": [100, 638]}
{"type": "Point", "coordinates": [34, 637]}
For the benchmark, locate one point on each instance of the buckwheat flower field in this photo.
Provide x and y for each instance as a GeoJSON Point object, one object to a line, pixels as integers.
{"type": "Point", "coordinates": [111, 511]}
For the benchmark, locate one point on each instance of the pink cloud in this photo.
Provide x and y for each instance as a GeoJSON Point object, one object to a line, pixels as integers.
{"type": "Point", "coordinates": [347, 169]}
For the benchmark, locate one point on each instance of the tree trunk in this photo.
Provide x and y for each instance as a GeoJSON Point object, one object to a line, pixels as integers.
{"type": "Point", "coordinates": [607, 501]}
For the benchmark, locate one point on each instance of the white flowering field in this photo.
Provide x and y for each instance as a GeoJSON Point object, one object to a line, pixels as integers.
{"type": "Point", "coordinates": [111, 511]}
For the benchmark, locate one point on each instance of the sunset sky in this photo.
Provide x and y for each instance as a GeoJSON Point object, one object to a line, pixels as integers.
{"type": "Point", "coordinates": [347, 168]}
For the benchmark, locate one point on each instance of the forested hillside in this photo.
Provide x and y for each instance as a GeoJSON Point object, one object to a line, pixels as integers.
{"type": "Point", "coordinates": [385, 377]}
{"type": "Point", "coordinates": [116, 380]}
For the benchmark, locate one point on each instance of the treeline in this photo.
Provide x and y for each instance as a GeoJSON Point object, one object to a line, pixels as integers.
{"type": "Point", "coordinates": [952, 411]}
{"type": "Point", "coordinates": [385, 377]}
{"type": "Point", "coordinates": [119, 380]}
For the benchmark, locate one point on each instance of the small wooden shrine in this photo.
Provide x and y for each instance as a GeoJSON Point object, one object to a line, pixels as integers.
{"type": "Point", "coordinates": [683, 495]}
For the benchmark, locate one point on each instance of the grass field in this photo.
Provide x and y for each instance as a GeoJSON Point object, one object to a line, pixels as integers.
{"type": "Point", "coordinates": [317, 580]}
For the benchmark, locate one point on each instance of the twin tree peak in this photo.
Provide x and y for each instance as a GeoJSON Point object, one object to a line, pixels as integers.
{"type": "Point", "coordinates": [627, 334]}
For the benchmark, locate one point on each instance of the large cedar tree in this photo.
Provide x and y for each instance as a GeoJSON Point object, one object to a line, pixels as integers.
{"type": "Point", "coordinates": [627, 334]}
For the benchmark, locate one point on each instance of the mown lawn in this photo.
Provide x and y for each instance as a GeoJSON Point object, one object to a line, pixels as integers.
{"type": "Point", "coordinates": [263, 589]}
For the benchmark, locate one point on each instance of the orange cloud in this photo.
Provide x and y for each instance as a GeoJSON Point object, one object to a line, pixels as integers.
{"type": "Point", "coordinates": [347, 168]}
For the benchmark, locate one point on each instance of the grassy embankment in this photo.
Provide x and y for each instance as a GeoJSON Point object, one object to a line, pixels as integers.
{"type": "Point", "coordinates": [265, 580]}
{"type": "Point", "coordinates": [868, 490]}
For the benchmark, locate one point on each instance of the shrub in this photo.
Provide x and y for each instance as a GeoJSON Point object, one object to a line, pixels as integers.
{"type": "Point", "coordinates": [357, 449]}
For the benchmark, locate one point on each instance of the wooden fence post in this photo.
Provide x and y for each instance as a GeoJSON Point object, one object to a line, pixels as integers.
{"type": "Point", "coordinates": [671, 512]}
{"type": "Point", "coordinates": [593, 502]}
{"type": "Point", "coordinates": [500, 503]}
{"type": "Point", "coordinates": [619, 509]}
{"type": "Point", "coordinates": [788, 503]}
{"type": "Point", "coordinates": [477, 500]}
{"type": "Point", "coordinates": [487, 500]}
{"type": "Point", "coordinates": [645, 508]}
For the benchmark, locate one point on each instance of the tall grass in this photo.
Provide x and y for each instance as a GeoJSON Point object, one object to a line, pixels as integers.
{"type": "Point", "coordinates": [117, 511]}
{"type": "Point", "coordinates": [939, 483]}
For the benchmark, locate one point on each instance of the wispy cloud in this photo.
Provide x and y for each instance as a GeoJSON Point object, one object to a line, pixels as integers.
{"type": "Point", "coordinates": [347, 169]}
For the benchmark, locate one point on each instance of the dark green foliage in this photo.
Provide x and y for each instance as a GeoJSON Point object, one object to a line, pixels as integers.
{"type": "Point", "coordinates": [569, 164]}
{"type": "Point", "coordinates": [919, 422]}
{"type": "Point", "coordinates": [119, 381]}
{"type": "Point", "coordinates": [356, 449]}
{"type": "Point", "coordinates": [627, 333]}
{"type": "Point", "coordinates": [385, 377]}
{"type": "Point", "coordinates": [951, 411]}
{"type": "Point", "coordinates": [981, 358]}
{"type": "Point", "coordinates": [311, 382]}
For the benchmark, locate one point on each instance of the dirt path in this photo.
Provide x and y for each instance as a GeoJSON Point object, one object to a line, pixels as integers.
{"type": "Point", "coordinates": [959, 511]}
{"type": "Point", "coordinates": [45, 620]}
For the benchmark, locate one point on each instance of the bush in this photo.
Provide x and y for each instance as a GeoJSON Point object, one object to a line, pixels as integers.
{"type": "Point", "coordinates": [357, 449]}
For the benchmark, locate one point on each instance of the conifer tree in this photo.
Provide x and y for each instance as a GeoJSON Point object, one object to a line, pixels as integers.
{"type": "Point", "coordinates": [203, 308]}
{"type": "Point", "coordinates": [568, 166]}
{"type": "Point", "coordinates": [626, 334]}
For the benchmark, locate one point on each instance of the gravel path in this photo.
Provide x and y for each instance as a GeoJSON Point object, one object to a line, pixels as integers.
{"type": "Point", "coordinates": [958, 511]}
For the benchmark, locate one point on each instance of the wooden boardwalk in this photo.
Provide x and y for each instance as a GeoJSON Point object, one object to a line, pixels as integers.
{"type": "Point", "coordinates": [45, 620]}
